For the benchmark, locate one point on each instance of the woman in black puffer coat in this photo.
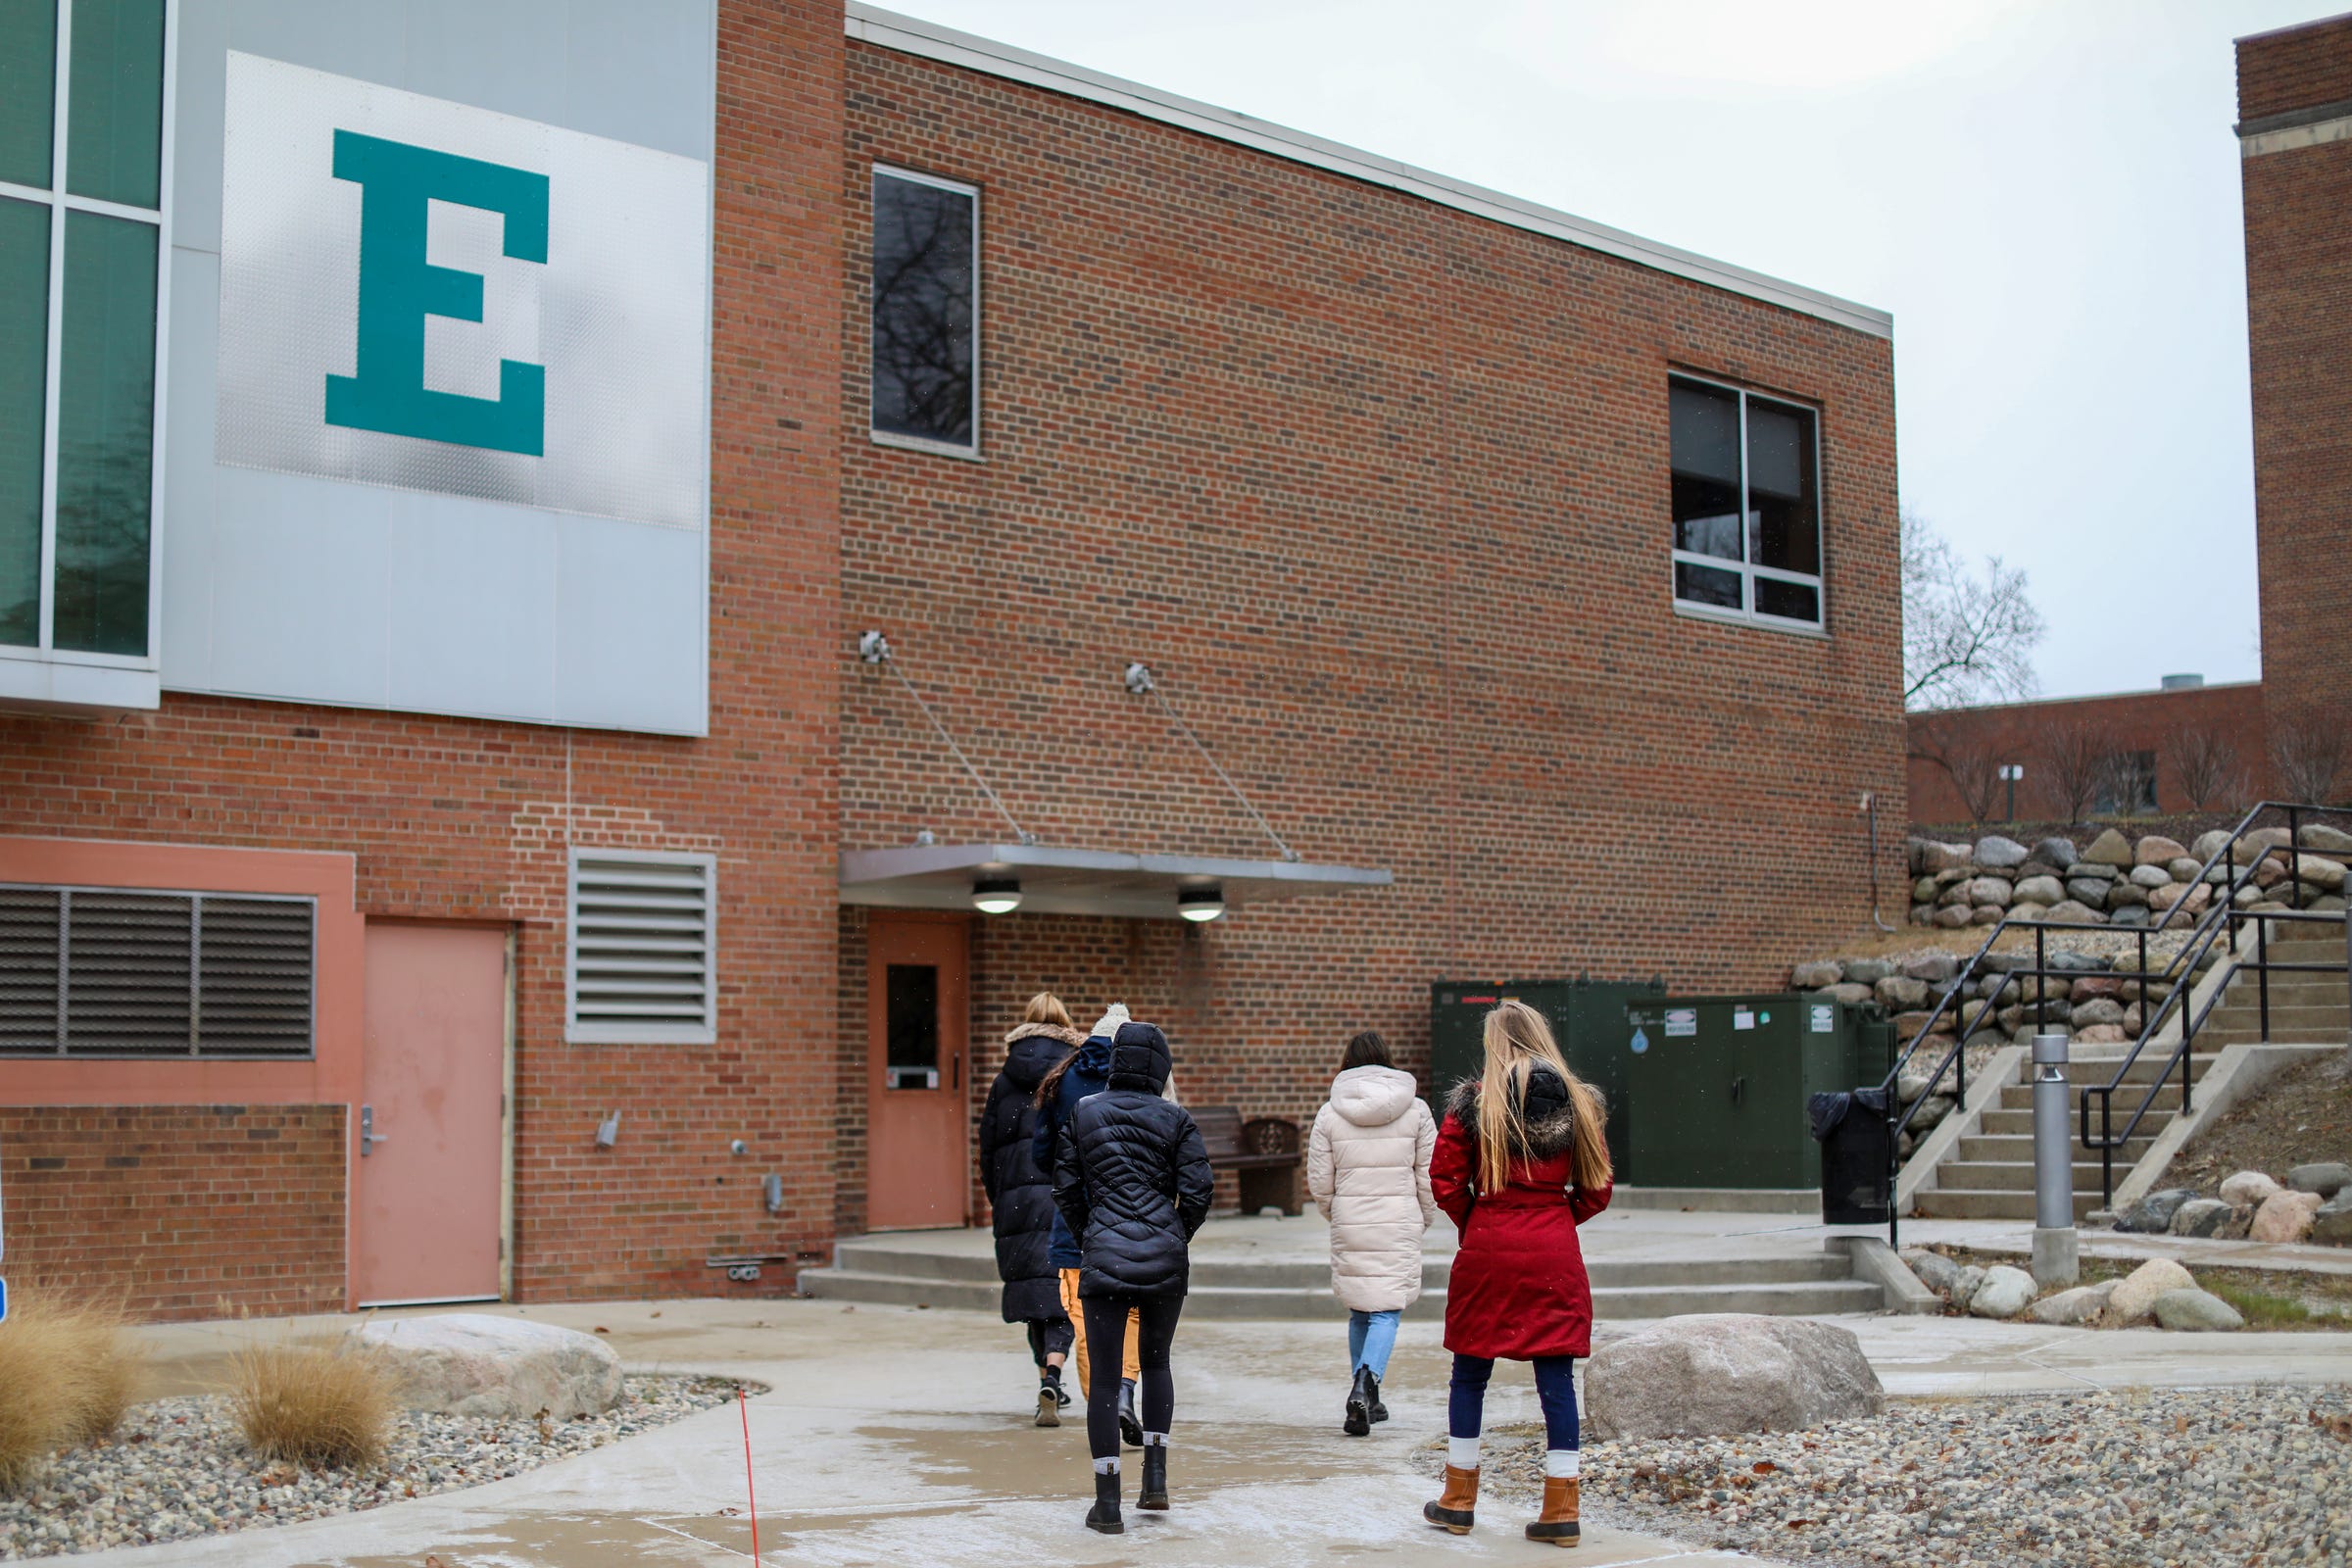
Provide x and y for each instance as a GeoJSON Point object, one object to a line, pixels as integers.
{"type": "Point", "coordinates": [1131, 1178]}
{"type": "Point", "coordinates": [1021, 1197]}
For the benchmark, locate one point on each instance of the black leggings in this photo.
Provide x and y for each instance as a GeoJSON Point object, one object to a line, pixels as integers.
{"type": "Point", "coordinates": [1106, 1325]}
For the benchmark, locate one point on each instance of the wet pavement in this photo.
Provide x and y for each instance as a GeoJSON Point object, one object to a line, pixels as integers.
{"type": "Point", "coordinates": [896, 1436]}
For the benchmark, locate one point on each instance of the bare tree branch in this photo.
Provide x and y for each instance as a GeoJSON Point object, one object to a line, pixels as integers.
{"type": "Point", "coordinates": [1973, 766]}
{"type": "Point", "coordinates": [2308, 760]}
{"type": "Point", "coordinates": [2206, 767]}
{"type": "Point", "coordinates": [2076, 762]}
{"type": "Point", "coordinates": [1966, 639]}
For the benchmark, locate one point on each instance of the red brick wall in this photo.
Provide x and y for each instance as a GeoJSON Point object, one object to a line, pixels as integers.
{"type": "Point", "coordinates": [2294, 67]}
{"type": "Point", "coordinates": [2136, 721]}
{"type": "Point", "coordinates": [1379, 490]}
{"type": "Point", "coordinates": [469, 820]}
{"type": "Point", "coordinates": [2300, 328]}
{"type": "Point", "coordinates": [188, 1211]}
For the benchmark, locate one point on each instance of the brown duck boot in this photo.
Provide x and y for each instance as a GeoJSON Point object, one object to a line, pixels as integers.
{"type": "Point", "coordinates": [1455, 1511]}
{"type": "Point", "coordinates": [1557, 1525]}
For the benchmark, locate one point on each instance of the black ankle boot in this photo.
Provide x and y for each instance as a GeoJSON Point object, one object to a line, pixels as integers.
{"type": "Point", "coordinates": [1155, 1493]}
{"type": "Point", "coordinates": [1360, 1396]}
{"type": "Point", "coordinates": [1131, 1425]}
{"type": "Point", "coordinates": [1103, 1516]}
{"type": "Point", "coordinates": [1380, 1411]}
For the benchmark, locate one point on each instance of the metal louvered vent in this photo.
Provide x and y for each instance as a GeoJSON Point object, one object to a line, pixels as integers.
{"type": "Point", "coordinates": [644, 947]}
{"type": "Point", "coordinates": [115, 972]}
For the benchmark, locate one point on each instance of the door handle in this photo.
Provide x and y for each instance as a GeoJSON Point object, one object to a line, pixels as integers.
{"type": "Point", "coordinates": [369, 1136]}
{"type": "Point", "coordinates": [1738, 1090]}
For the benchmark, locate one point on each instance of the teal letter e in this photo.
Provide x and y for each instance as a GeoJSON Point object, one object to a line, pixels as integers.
{"type": "Point", "coordinates": [399, 289]}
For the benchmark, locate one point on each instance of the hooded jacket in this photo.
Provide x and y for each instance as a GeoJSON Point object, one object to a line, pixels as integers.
{"type": "Point", "coordinates": [1131, 1176]}
{"type": "Point", "coordinates": [1367, 1169]}
{"type": "Point", "coordinates": [1088, 1074]}
{"type": "Point", "coordinates": [1019, 1193]}
{"type": "Point", "coordinates": [1518, 1288]}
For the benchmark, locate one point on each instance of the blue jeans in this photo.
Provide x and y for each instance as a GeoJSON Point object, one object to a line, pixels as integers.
{"type": "Point", "coordinates": [1555, 1387]}
{"type": "Point", "coordinates": [1371, 1335]}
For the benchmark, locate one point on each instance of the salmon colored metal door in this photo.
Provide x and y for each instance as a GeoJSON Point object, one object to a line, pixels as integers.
{"type": "Point", "coordinates": [431, 1128]}
{"type": "Point", "coordinates": [918, 1122]}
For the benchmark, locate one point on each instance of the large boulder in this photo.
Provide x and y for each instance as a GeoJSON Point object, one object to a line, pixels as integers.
{"type": "Point", "coordinates": [2284, 1217]}
{"type": "Point", "coordinates": [1933, 967]}
{"type": "Point", "coordinates": [2095, 870]}
{"type": "Point", "coordinates": [2110, 848]}
{"type": "Point", "coordinates": [2100, 1034]}
{"type": "Point", "coordinates": [2092, 987]}
{"type": "Point", "coordinates": [2157, 849]}
{"type": "Point", "coordinates": [2072, 911]}
{"type": "Point", "coordinates": [2247, 1187]}
{"type": "Point", "coordinates": [2072, 1308]}
{"type": "Point", "coordinates": [2153, 1214]}
{"type": "Point", "coordinates": [1934, 1270]}
{"type": "Point", "coordinates": [2313, 873]}
{"type": "Point", "coordinates": [2057, 851]}
{"type": "Point", "coordinates": [2262, 839]}
{"type": "Point", "coordinates": [2091, 891]}
{"type": "Point", "coordinates": [1928, 856]}
{"type": "Point", "coordinates": [1951, 917]}
{"type": "Point", "coordinates": [1901, 993]}
{"type": "Point", "coordinates": [2126, 895]}
{"type": "Point", "coordinates": [2005, 1293]}
{"type": "Point", "coordinates": [1719, 1373]}
{"type": "Point", "coordinates": [1963, 1289]}
{"type": "Point", "coordinates": [2151, 877]}
{"type": "Point", "coordinates": [2332, 1224]}
{"type": "Point", "coordinates": [2321, 836]}
{"type": "Point", "coordinates": [1815, 976]}
{"type": "Point", "coordinates": [1931, 1112]}
{"type": "Point", "coordinates": [2196, 1312]}
{"type": "Point", "coordinates": [2137, 1292]}
{"type": "Point", "coordinates": [496, 1368]}
{"type": "Point", "coordinates": [2209, 845]}
{"type": "Point", "coordinates": [1852, 992]}
{"type": "Point", "coordinates": [2186, 869]}
{"type": "Point", "coordinates": [2042, 890]}
{"type": "Point", "coordinates": [2131, 915]}
{"type": "Point", "coordinates": [2326, 1179]}
{"type": "Point", "coordinates": [1867, 971]}
{"type": "Point", "coordinates": [1995, 853]}
{"type": "Point", "coordinates": [2099, 1009]}
{"type": "Point", "coordinates": [2200, 1216]}
{"type": "Point", "coordinates": [2069, 962]}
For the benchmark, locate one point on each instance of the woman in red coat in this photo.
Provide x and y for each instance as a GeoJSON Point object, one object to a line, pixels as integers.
{"type": "Point", "coordinates": [1521, 1162]}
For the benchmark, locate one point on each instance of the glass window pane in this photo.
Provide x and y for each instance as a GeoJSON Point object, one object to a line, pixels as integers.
{"type": "Point", "coordinates": [27, 89]}
{"type": "Point", "coordinates": [1780, 487]}
{"type": "Point", "coordinates": [1794, 600]}
{"type": "Point", "coordinates": [1706, 585]}
{"type": "Point", "coordinates": [23, 367]}
{"type": "Point", "coordinates": [923, 264]}
{"type": "Point", "coordinates": [911, 994]}
{"type": "Point", "coordinates": [1706, 428]}
{"type": "Point", "coordinates": [105, 446]}
{"type": "Point", "coordinates": [114, 135]}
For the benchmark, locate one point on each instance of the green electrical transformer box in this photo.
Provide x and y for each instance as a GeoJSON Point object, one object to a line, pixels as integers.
{"type": "Point", "coordinates": [1718, 1085]}
{"type": "Point", "coordinates": [1587, 1017]}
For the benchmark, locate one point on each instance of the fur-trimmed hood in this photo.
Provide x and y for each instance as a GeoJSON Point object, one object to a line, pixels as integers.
{"type": "Point", "coordinates": [1032, 1050]}
{"type": "Point", "coordinates": [1551, 1112]}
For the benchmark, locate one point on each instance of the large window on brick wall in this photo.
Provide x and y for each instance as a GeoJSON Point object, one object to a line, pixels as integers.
{"type": "Point", "coordinates": [644, 949]}
{"type": "Point", "coordinates": [84, 96]}
{"type": "Point", "coordinates": [1746, 504]}
{"type": "Point", "coordinates": [121, 973]}
{"type": "Point", "coordinates": [926, 313]}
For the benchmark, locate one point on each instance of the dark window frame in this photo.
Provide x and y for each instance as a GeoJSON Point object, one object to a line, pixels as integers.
{"type": "Point", "coordinates": [1748, 570]}
{"type": "Point", "coordinates": [968, 449]}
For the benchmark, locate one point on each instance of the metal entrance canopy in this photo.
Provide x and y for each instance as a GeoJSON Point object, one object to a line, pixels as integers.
{"type": "Point", "coordinates": [1065, 881]}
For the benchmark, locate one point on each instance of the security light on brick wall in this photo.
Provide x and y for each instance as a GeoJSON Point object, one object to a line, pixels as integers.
{"type": "Point", "coordinates": [1201, 905]}
{"type": "Point", "coordinates": [997, 895]}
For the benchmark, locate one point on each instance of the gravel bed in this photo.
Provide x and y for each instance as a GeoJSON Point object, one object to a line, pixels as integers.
{"type": "Point", "coordinates": [2257, 1476]}
{"type": "Point", "coordinates": [177, 1468]}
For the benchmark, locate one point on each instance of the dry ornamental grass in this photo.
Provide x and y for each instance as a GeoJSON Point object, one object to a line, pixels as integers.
{"type": "Point", "coordinates": [66, 1378]}
{"type": "Point", "coordinates": [310, 1406]}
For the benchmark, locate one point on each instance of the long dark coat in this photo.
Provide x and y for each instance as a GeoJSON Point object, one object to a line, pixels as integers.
{"type": "Point", "coordinates": [1518, 1288]}
{"type": "Point", "coordinates": [1021, 1195]}
{"type": "Point", "coordinates": [1131, 1177]}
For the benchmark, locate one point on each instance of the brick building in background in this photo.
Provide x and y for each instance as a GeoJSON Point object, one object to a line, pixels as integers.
{"type": "Point", "coordinates": [2284, 735]}
{"type": "Point", "coordinates": [410, 834]}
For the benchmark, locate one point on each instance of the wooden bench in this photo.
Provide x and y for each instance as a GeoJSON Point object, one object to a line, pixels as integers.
{"type": "Point", "coordinates": [1262, 1152]}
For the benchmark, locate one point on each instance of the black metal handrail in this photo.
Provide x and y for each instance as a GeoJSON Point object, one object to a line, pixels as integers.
{"type": "Point", "coordinates": [2223, 915]}
{"type": "Point", "coordinates": [2178, 970]}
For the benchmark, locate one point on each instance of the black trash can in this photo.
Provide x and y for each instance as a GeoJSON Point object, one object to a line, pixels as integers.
{"type": "Point", "coordinates": [1855, 1181]}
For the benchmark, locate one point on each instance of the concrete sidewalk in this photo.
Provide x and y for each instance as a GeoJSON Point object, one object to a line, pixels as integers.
{"type": "Point", "coordinates": [899, 1436]}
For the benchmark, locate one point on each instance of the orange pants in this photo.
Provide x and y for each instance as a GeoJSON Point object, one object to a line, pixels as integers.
{"type": "Point", "coordinates": [1131, 1365]}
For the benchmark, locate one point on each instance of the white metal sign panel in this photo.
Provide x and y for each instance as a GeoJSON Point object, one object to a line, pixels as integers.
{"type": "Point", "coordinates": [427, 295]}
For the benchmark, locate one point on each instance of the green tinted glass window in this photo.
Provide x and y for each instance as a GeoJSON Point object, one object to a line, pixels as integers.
{"type": "Point", "coordinates": [27, 89]}
{"type": "Point", "coordinates": [23, 359]}
{"type": "Point", "coordinates": [105, 428]}
{"type": "Point", "coordinates": [114, 109]}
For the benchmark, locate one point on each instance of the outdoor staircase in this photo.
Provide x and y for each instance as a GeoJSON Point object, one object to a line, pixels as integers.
{"type": "Point", "coordinates": [1991, 1174]}
{"type": "Point", "coordinates": [901, 1270]}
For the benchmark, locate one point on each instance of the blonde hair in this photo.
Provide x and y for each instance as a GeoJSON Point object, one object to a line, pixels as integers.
{"type": "Point", "coordinates": [1046, 1007]}
{"type": "Point", "coordinates": [1517, 1039]}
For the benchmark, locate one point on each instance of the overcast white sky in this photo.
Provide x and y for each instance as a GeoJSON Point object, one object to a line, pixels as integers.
{"type": "Point", "coordinates": [2044, 192]}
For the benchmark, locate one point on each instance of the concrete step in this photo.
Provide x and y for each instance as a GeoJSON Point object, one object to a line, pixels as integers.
{"type": "Point", "coordinates": [957, 1269]}
{"type": "Point", "coordinates": [2168, 1096]}
{"type": "Point", "coordinates": [2251, 1033]}
{"type": "Point", "coordinates": [2015, 1150]}
{"type": "Point", "coordinates": [1228, 1301]}
{"type": "Point", "coordinates": [1987, 1176]}
{"type": "Point", "coordinates": [1944, 1203]}
{"type": "Point", "coordinates": [2020, 1123]}
{"type": "Point", "coordinates": [2248, 1005]}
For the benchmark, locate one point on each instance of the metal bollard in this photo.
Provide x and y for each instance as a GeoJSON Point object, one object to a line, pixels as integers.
{"type": "Point", "coordinates": [2056, 1260]}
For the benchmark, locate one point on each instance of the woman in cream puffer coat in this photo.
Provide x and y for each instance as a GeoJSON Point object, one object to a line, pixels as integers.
{"type": "Point", "coordinates": [1367, 1167]}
